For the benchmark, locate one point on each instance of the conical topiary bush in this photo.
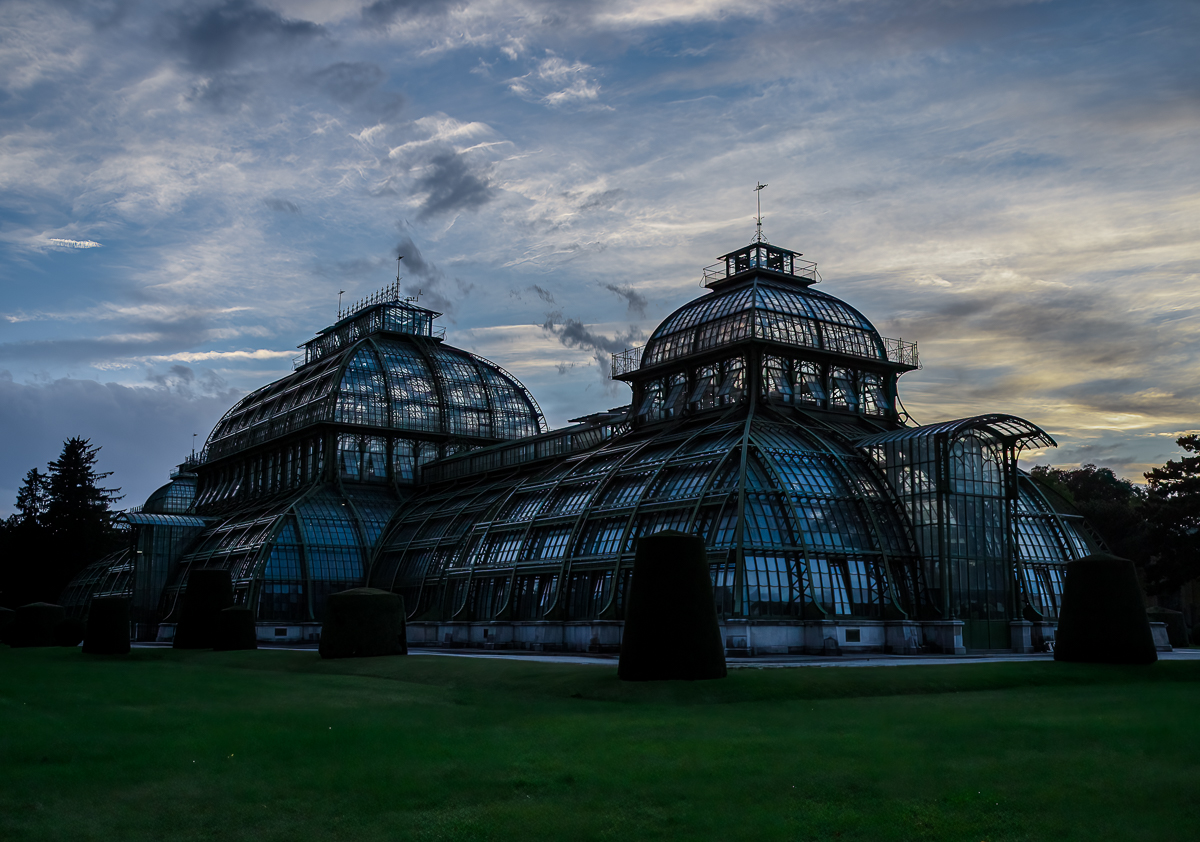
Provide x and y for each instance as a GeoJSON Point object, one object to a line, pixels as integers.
{"type": "Point", "coordinates": [235, 629]}
{"type": "Point", "coordinates": [107, 626]}
{"type": "Point", "coordinates": [1103, 617]}
{"type": "Point", "coordinates": [362, 622]}
{"type": "Point", "coordinates": [1177, 632]}
{"type": "Point", "coordinates": [671, 628]}
{"type": "Point", "coordinates": [208, 591]}
{"type": "Point", "coordinates": [34, 624]}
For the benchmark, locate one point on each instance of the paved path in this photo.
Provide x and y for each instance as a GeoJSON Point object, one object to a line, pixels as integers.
{"type": "Point", "coordinates": [765, 662]}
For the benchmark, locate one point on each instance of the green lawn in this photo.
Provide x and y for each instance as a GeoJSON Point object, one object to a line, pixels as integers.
{"type": "Point", "coordinates": [283, 746]}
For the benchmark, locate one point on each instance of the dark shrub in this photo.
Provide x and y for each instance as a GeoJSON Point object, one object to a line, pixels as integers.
{"type": "Point", "coordinates": [1177, 632]}
{"type": "Point", "coordinates": [362, 622]}
{"type": "Point", "coordinates": [107, 626]}
{"type": "Point", "coordinates": [1103, 618]}
{"type": "Point", "coordinates": [34, 624]}
{"type": "Point", "coordinates": [69, 631]}
{"type": "Point", "coordinates": [208, 592]}
{"type": "Point", "coordinates": [671, 629]}
{"type": "Point", "coordinates": [235, 629]}
{"type": "Point", "coordinates": [7, 615]}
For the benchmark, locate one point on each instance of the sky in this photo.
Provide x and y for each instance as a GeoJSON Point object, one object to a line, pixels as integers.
{"type": "Point", "coordinates": [186, 188]}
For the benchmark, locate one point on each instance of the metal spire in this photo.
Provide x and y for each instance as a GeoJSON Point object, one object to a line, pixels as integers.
{"type": "Point", "coordinates": [758, 237]}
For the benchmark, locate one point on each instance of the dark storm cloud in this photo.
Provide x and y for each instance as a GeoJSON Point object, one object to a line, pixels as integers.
{"type": "Point", "coordinates": [141, 432]}
{"type": "Point", "coordinates": [348, 80]}
{"type": "Point", "coordinates": [224, 92]}
{"type": "Point", "coordinates": [634, 299]}
{"type": "Point", "coordinates": [282, 205]}
{"type": "Point", "coordinates": [575, 334]}
{"type": "Point", "coordinates": [541, 293]}
{"type": "Point", "coordinates": [385, 12]}
{"type": "Point", "coordinates": [426, 278]}
{"type": "Point", "coordinates": [183, 380]}
{"type": "Point", "coordinates": [215, 37]}
{"type": "Point", "coordinates": [450, 185]}
{"type": "Point", "coordinates": [177, 373]}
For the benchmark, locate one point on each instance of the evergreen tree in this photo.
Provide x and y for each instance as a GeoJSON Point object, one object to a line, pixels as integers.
{"type": "Point", "coordinates": [78, 505]}
{"type": "Point", "coordinates": [1173, 509]}
{"type": "Point", "coordinates": [62, 524]}
{"type": "Point", "coordinates": [33, 500]}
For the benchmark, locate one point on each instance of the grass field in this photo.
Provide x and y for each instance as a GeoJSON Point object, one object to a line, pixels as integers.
{"type": "Point", "coordinates": [283, 746]}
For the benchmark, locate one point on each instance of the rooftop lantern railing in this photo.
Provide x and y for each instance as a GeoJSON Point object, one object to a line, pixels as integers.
{"type": "Point", "coordinates": [761, 256]}
{"type": "Point", "coordinates": [383, 312]}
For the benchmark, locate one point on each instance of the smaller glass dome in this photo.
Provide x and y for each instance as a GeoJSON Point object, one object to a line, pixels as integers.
{"type": "Point", "coordinates": [767, 309]}
{"type": "Point", "coordinates": [177, 496]}
{"type": "Point", "coordinates": [390, 381]}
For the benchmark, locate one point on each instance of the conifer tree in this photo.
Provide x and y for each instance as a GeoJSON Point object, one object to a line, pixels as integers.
{"type": "Point", "coordinates": [78, 505]}
{"type": "Point", "coordinates": [1173, 512]}
{"type": "Point", "coordinates": [33, 500]}
{"type": "Point", "coordinates": [62, 524]}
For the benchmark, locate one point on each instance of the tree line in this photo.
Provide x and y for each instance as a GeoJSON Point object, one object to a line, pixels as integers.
{"type": "Point", "coordinates": [62, 523]}
{"type": "Point", "coordinates": [1157, 526]}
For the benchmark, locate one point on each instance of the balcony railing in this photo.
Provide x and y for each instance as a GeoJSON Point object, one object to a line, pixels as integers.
{"type": "Point", "coordinates": [899, 351]}
{"type": "Point", "coordinates": [627, 361]}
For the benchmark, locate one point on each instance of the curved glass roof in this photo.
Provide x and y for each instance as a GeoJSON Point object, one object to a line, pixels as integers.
{"type": "Point", "coordinates": [390, 382]}
{"type": "Point", "coordinates": [764, 309]}
{"type": "Point", "coordinates": [811, 516]}
{"type": "Point", "coordinates": [288, 554]}
{"type": "Point", "coordinates": [1009, 429]}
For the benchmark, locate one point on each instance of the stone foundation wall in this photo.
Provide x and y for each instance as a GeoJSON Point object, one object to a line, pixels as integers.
{"type": "Point", "coordinates": [743, 638]}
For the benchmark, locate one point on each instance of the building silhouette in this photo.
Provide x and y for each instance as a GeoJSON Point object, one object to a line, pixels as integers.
{"type": "Point", "coordinates": [764, 418]}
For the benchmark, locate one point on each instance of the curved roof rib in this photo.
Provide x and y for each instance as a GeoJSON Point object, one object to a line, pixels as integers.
{"type": "Point", "coordinates": [1009, 429]}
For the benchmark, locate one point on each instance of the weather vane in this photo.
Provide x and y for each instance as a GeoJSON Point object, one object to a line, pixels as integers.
{"type": "Point", "coordinates": [399, 257]}
{"type": "Point", "coordinates": [758, 194]}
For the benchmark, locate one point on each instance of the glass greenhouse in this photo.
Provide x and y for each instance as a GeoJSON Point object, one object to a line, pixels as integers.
{"type": "Point", "coordinates": [764, 417]}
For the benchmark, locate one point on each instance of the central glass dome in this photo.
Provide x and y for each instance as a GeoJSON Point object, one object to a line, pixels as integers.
{"type": "Point", "coordinates": [763, 292]}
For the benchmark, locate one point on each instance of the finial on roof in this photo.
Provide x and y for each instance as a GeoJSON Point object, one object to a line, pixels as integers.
{"type": "Point", "coordinates": [758, 236]}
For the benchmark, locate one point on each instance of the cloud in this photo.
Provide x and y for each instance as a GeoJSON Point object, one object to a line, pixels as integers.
{"type": "Point", "coordinates": [435, 285]}
{"type": "Point", "coordinates": [282, 205]}
{"type": "Point", "coordinates": [73, 244]}
{"type": "Point", "coordinates": [450, 184]}
{"type": "Point", "coordinates": [383, 13]}
{"type": "Point", "coordinates": [349, 83]}
{"type": "Point", "coordinates": [634, 299]}
{"type": "Point", "coordinates": [573, 333]}
{"type": "Point", "coordinates": [217, 37]}
{"type": "Point", "coordinates": [557, 82]}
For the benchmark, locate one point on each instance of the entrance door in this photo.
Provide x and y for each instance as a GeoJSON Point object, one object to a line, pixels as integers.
{"type": "Point", "coordinates": [986, 634]}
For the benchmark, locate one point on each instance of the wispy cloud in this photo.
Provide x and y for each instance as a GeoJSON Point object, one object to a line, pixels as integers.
{"type": "Point", "coordinates": [73, 244]}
